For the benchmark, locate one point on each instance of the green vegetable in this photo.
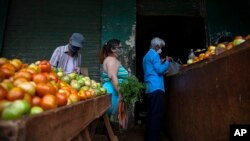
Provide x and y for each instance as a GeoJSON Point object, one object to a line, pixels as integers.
{"type": "Point", "coordinates": [131, 90]}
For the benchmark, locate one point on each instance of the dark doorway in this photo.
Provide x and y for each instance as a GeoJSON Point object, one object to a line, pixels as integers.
{"type": "Point", "coordinates": [181, 33]}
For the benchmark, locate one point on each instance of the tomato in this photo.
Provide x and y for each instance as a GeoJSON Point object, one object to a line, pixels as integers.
{"type": "Point", "coordinates": [23, 74]}
{"type": "Point", "coordinates": [15, 93]}
{"type": "Point", "coordinates": [61, 99]}
{"type": "Point", "coordinates": [16, 110]}
{"type": "Point", "coordinates": [53, 76]}
{"type": "Point", "coordinates": [21, 106]}
{"type": "Point", "coordinates": [9, 66]}
{"type": "Point", "coordinates": [48, 102]}
{"type": "Point", "coordinates": [3, 60]}
{"type": "Point", "coordinates": [28, 98]}
{"type": "Point", "coordinates": [36, 101]}
{"type": "Point", "coordinates": [45, 66]}
{"type": "Point", "coordinates": [7, 72]}
{"type": "Point", "coordinates": [7, 85]}
{"type": "Point", "coordinates": [3, 92]}
{"type": "Point", "coordinates": [88, 94]}
{"type": "Point", "coordinates": [40, 78]}
{"type": "Point", "coordinates": [36, 110]}
{"type": "Point", "coordinates": [82, 95]}
{"type": "Point", "coordinates": [17, 63]}
{"type": "Point", "coordinates": [56, 85]}
{"type": "Point", "coordinates": [28, 87]}
{"type": "Point", "coordinates": [73, 98]}
{"type": "Point", "coordinates": [64, 91]}
{"type": "Point", "coordinates": [4, 104]}
{"type": "Point", "coordinates": [18, 81]}
{"type": "Point", "coordinates": [45, 88]}
{"type": "Point", "coordinates": [31, 70]}
{"type": "Point", "coordinates": [34, 67]}
{"type": "Point", "coordinates": [2, 75]}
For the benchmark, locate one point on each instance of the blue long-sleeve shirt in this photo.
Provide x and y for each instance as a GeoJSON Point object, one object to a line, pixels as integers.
{"type": "Point", "coordinates": [154, 71]}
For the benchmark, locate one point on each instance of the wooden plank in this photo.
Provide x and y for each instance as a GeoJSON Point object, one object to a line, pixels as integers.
{"type": "Point", "coordinates": [61, 124]}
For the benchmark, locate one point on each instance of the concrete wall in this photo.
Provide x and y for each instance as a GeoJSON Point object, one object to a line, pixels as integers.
{"type": "Point", "coordinates": [118, 21]}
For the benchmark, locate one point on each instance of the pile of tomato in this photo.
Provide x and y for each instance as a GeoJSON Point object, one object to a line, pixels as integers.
{"type": "Point", "coordinates": [34, 87]}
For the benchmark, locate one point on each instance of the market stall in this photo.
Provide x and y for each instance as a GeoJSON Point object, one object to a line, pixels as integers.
{"type": "Point", "coordinates": [61, 124]}
{"type": "Point", "coordinates": [206, 97]}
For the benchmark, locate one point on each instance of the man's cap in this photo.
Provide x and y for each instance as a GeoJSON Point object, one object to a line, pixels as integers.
{"type": "Point", "coordinates": [77, 40]}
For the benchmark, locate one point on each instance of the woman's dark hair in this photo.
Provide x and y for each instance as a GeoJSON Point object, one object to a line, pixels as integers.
{"type": "Point", "coordinates": [107, 49]}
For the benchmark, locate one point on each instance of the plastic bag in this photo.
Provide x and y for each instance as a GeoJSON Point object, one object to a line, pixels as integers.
{"type": "Point", "coordinates": [174, 67]}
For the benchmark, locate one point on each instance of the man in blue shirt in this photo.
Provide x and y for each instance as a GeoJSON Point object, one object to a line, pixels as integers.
{"type": "Point", "coordinates": [154, 69]}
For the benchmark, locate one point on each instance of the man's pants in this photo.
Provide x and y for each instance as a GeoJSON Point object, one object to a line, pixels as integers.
{"type": "Point", "coordinates": [155, 106]}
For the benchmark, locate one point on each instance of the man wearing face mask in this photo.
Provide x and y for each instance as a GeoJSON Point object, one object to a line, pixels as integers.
{"type": "Point", "coordinates": [154, 70]}
{"type": "Point", "coordinates": [68, 56]}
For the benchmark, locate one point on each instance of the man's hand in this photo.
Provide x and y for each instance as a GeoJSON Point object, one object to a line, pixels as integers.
{"type": "Point", "coordinates": [169, 58]}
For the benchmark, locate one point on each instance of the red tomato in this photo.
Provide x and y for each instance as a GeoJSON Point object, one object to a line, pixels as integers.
{"type": "Point", "coordinates": [23, 74]}
{"type": "Point", "coordinates": [45, 88]}
{"type": "Point", "coordinates": [7, 72]}
{"type": "Point", "coordinates": [2, 75]}
{"type": "Point", "coordinates": [53, 76]}
{"type": "Point", "coordinates": [36, 101]}
{"type": "Point", "coordinates": [40, 78]}
{"type": "Point", "coordinates": [45, 66]}
{"type": "Point", "coordinates": [48, 102]}
{"type": "Point", "coordinates": [9, 66]}
{"type": "Point", "coordinates": [62, 99]}
{"type": "Point", "coordinates": [15, 93]}
{"type": "Point", "coordinates": [3, 92]}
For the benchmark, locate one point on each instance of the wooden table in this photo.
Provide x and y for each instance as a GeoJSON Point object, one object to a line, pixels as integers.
{"type": "Point", "coordinates": [61, 124]}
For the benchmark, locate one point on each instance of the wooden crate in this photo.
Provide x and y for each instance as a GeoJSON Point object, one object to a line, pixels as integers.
{"type": "Point", "coordinates": [61, 124]}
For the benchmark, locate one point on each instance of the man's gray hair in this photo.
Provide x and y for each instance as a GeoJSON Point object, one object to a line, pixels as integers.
{"type": "Point", "coordinates": [156, 41]}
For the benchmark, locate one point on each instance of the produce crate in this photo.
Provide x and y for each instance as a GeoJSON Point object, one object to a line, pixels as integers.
{"type": "Point", "coordinates": [61, 124]}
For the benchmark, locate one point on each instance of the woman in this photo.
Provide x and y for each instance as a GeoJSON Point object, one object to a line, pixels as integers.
{"type": "Point", "coordinates": [113, 73]}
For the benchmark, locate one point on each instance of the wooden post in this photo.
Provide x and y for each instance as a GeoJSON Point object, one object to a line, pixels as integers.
{"type": "Point", "coordinates": [86, 134]}
{"type": "Point", "coordinates": [108, 126]}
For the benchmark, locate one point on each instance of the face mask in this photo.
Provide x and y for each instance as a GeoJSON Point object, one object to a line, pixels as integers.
{"type": "Point", "coordinates": [119, 51]}
{"type": "Point", "coordinates": [159, 51]}
{"type": "Point", "coordinates": [74, 49]}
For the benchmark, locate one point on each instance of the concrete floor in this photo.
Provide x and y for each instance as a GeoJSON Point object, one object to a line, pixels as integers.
{"type": "Point", "coordinates": [134, 133]}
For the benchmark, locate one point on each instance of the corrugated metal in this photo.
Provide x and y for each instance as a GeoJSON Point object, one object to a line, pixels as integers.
{"type": "Point", "coordinates": [36, 28]}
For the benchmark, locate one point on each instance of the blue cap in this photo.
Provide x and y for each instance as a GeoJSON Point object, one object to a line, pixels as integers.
{"type": "Point", "coordinates": [77, 40]}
